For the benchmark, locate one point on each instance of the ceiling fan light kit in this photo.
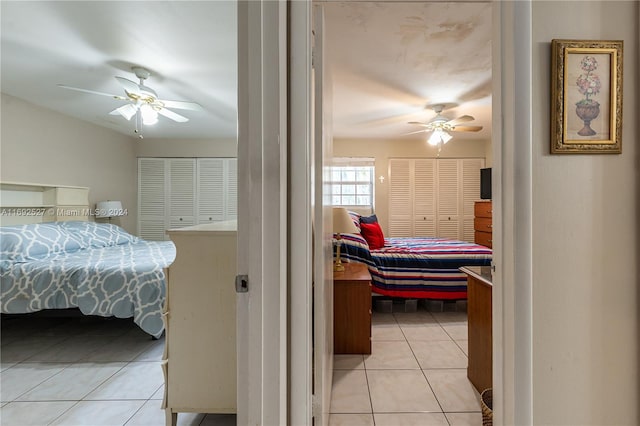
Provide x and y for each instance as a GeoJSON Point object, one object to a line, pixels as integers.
{"type": "Point", "coordinates": [144, 103]}
{"type": "Point", "coordinates": [438, 137]}
{"type": "Point", "coordinates": [441, 126]}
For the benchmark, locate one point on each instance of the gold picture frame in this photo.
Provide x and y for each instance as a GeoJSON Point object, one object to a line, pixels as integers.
{"type": "Point", "coordinates": [586, 97]}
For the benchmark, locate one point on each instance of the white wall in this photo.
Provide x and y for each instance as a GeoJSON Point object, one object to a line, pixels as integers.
{"type": "Point", "coordinates": [383, 149]}
{"type": "Point", "coordinates": [488, 154]}
{"type": "Point", "coordinates": [191, 148]}
{"type": "Point", "coordinates": [586, 233]}
{"type": "Point", "coordinates": [42, 146]}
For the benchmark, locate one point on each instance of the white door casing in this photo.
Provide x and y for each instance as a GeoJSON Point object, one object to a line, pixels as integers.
{"type": "Point", "coordinates": [310, 219]}
{"type": "Point", "coordinates": [300, 257]}
{"type": "Point", "coordinates": [323, 223]}
{"type": "Point", "coordinates": [512, 212]}
{"type": "Point", "coordinates": [262, 213]}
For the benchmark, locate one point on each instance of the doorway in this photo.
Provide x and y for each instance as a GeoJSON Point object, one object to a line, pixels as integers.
{"type": "Point", "coordinates": [512, 381]}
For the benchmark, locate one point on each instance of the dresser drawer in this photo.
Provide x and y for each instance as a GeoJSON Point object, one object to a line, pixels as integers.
{"type": "Point", "coordinates": [483, 209]}
{"type": "Point", "coordinates": [484, 239]}
{"type": "Point", "coordinates": [482, 224]}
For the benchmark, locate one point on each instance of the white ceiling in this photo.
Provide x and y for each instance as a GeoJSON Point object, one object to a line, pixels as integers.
{"type": "Point", "coordinates": [391, 59]}
{"type": "Point", "coordinates": [388, 59]}
{"type": "Point", "coordinates": [189, 47]}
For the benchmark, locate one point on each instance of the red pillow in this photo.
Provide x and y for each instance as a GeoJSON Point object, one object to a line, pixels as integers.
{"type": "Point", "coordinates": [373, 234]}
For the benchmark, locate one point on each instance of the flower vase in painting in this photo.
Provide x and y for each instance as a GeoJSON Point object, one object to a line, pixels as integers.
{"type": "Point", "coordinates": [589, 85]}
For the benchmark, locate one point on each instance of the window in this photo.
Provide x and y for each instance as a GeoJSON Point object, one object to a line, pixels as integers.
{"type": "Point", "coordinates": [350, 182]}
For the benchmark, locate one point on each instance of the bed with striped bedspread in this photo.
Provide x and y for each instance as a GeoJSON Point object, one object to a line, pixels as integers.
{"type": "Point", "coordinates": [425, 268]}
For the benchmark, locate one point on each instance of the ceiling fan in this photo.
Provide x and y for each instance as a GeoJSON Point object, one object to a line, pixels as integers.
{"type": "Point", "coordinates": [441, 126]}
{"type": "Point", "coordinates": [143, 102]}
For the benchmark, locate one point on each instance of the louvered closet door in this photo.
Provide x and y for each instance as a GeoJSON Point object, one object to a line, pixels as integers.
{"type": "Point", "coordinates": [211, 177]}
{"type": "Point", "coordinates": [151, 199]}
{"type": "Point", "coordinates": [231, 192]}
{"type": "Point", "coordinates": [448, 210]}
{"type": "Point", "coordinates": [424, 198]}
{"type": "Point", "coordinates": [400, 198]}
{"type": "Point", "coordinates": [470, 194]}
{"type": "Point", "coordinates": [182, 203]}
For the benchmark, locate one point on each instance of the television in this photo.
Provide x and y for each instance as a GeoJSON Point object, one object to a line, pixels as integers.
{"type": "Point", "coordinates": [485, 184]}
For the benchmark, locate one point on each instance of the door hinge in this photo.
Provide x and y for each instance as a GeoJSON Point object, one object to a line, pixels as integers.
{"type": "Point", "coordinates": [242, 283]}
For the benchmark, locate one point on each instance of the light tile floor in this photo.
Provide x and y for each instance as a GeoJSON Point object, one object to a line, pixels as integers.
{"type": "Point", "coordinates": [416, 374]}
{"type": "Point", "coordinates": [87, 371]}
{"type": "Point", "coordinates": [83, 371]}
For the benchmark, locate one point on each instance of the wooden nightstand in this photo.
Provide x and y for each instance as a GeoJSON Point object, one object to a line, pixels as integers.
{"type": "Point", "coordinates": [352, 310]}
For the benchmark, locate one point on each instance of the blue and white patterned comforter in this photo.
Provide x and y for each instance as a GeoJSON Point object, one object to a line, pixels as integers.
{"type": "Point", "coordinates": [99, 268]}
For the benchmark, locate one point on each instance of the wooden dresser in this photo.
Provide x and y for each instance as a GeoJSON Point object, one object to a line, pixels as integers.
{"type": "Point", "coordinates": [200, 322]}
{"type": "Point", "coordinates": [480, 343]}
{"type": "Point", "coordinates": [352, 310]}
{"type": "Point", "coordinates": [483, 223]}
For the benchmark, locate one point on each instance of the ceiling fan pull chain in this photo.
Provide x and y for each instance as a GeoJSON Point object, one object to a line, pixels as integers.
{"type": "Point", "coordinates": [138, 123]}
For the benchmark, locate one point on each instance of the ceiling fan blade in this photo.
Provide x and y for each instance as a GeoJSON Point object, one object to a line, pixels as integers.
{"type": "Point", "coordinates": [129, 86]}
{"type": "Point", "coordinates": [466, 128]}
{"type": "Point", "coordinates": [172, 115]}
{"type": "Point", "coordinates": [182, 105]}
{"type": "Point", "coordinates": [419, 123]}
{"type": "Point", "coordinates": [413, 133]}
{"type": "Point", "coordinates": [93, 92]}
{"type": "Point", "coordinates": [461, 119]}
{"type": "Point", "coordinates": [127, 111]}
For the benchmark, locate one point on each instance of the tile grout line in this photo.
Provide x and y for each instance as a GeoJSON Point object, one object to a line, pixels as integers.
{"type": "Point", "coordinates": [366, 377]}
{"type": "Point", "coordinates": [423, 373]}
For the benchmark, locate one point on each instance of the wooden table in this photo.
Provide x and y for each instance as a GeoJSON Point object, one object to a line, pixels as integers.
{"type": "Point", "coordinates": [479, 286]}
{"type": "Point", "coordinates": [352, 310]}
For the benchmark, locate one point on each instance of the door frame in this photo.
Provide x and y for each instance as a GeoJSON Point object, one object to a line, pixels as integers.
{"type": "Point", "coordinates": [262, 213]}
{"type": "Point", "coordinates": [512, 143]}
{"type": "Point", "coordinates": [261, 31]}
{"type": "Point", "coordinates": [300, 257]}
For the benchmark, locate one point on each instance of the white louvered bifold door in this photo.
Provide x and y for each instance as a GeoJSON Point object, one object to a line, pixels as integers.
{"type": "Point", "coordinates": [400, 198]}
{"type": "Point", "coordinates": [231, 189]}
{"type": "Point", "coordinates": [448, 205]}
{"type": "Point", "coordinates": [470, 179]}
{"type": "Point", "coordinates": [211, 177]}
{"type": "Point", "coordinates": [424, 198]}
{"type": "Point", "coordinates": [151, 199]}
{"type": "Point", "coordinates": [182, 202]}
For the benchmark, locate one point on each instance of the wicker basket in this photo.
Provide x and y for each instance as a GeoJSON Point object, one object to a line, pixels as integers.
{"type": "Point", "coordinates": [486, 400]}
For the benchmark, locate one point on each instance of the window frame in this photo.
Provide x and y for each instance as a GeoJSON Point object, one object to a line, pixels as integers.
{"type": "Point", "coordinates": [351, 163]}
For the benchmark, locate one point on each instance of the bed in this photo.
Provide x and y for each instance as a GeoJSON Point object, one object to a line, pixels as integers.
{"type": "Point", "coordinates": [97, 267]}
{"type": "Point", "coordinates": [423, 268]}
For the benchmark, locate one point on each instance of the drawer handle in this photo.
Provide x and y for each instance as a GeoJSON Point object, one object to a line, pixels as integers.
{"type": "Point", "coordinates": [489, 226]}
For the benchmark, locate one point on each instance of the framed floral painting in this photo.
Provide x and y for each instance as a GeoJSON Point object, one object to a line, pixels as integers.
{"type": "Point", "coordinates": [586, 96]}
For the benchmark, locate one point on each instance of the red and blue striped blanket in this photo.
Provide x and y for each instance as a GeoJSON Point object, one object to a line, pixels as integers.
{"type": "Point", "coordinates": [425, 268]}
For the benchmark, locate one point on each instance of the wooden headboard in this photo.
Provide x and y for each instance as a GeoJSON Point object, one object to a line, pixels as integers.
{"type": "Point", "coordinates": [23, 203]}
